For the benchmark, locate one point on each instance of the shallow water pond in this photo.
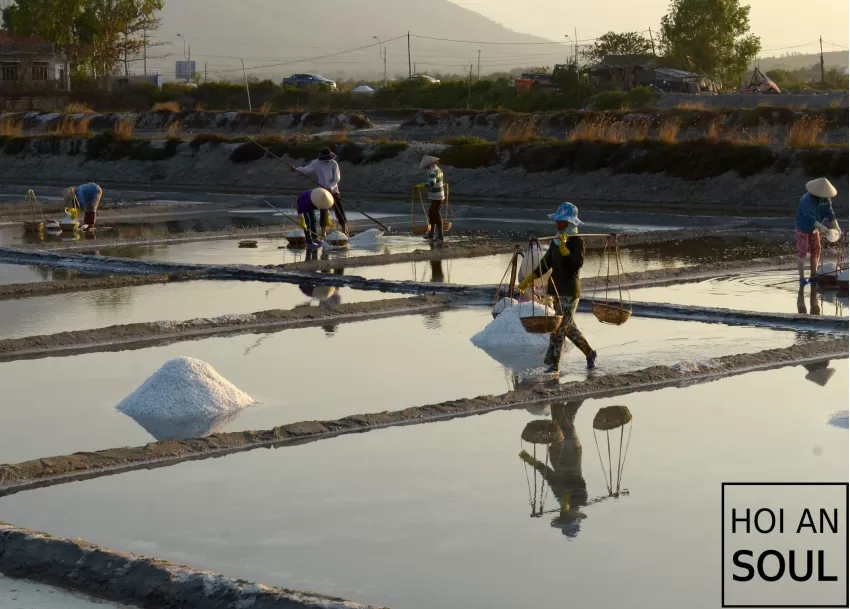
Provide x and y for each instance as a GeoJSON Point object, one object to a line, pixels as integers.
{"type": "Point", "coordinates": [22, 273]}
{"type": "Point", "coordinates": [161, 302]}
{"type": "Point", "coordinates": [65, 404]}
{"type": "Point", "coordinates": [771, 292]}
{"type": "Point", "coordinates": [448, 515]}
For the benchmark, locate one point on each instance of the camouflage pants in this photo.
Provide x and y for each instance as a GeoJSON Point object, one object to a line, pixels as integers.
{"type": "Point", "coordinates": [567, 329]}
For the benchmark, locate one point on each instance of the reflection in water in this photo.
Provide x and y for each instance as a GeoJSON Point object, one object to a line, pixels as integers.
{"type": "Point", "coordinates": [178, 428]}
{"type": "Point", "coordinates": [814, 304]}
{"type": "Point", "coordinates": [564, 475]}
{"type": "Point", "coordinates": [819, 372]}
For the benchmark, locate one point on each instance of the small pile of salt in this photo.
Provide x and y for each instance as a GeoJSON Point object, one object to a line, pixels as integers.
{"type": "Point", "coordinates": [185, 387]}
{"type": "Point", "coordinates": [507, 329]}
{"type": "Point", "coordinates": [367, 237]}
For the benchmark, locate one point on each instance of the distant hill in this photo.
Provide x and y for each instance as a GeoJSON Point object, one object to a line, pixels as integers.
{"type": "Point", "coordinates": [268, 31]}
{"type": "Point", "coordinates": [799, 61]}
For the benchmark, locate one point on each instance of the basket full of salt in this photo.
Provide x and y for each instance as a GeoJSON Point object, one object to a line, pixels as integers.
{"type": "Point", "coordinates": [295, 238]}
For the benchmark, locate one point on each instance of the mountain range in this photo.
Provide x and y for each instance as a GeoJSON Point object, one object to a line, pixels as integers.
{"type": "Point", "coordinates": [269, 32]}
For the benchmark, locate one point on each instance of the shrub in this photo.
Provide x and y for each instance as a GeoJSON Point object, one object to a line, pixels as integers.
{"type": "Point", "coordinates": [11, 128]}
{"type": "Point", "coordinates": [385, 151]}
{"type": "Point", "coordinates": [168, 106]}
{"type": "Point", "coordinates": [610, 100]}
{"type": "Point", "coordinates": [78, 108]}
{"type": "Point", "coordinates": [805, 132]}
{"type": "Point", "coordinates": [470, 156]}
{"type": "Point", "coordinates": [124, 128]}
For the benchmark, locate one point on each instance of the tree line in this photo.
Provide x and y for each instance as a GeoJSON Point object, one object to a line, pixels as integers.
{"type": "Point", "coordinates": [98, 36]}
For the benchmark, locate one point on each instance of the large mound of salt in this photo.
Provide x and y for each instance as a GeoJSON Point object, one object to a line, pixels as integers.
{"type": "Point", "coordinates": [507, 329]}
{"type": "Point", "coordinates": [184, 387]}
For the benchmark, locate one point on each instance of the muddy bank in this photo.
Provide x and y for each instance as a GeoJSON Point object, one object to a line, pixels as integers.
{"type": "Point", "coordinates": [45, 288]}
{"type": "Point", "coordinates": [58, 470]}
{"type": "Point", "coordinates": [140, 335]}
{"type": "Point", "coordinates": [150, 334]}
{"type": "Point", "coordinates": [147, 582]}
{"type": "Point", "coordinates": [692, 176]}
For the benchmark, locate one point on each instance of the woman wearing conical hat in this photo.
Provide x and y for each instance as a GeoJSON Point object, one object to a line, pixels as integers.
{"type": "Point", "coordinates": [814, 215]}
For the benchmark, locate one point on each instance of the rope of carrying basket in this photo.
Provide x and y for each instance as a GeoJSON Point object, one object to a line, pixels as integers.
{"type": "Point", "coordinates": [610, 311]}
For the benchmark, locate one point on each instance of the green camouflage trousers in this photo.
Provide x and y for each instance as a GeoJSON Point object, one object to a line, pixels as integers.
{"type": "Point", "coordinates": [567, 329]}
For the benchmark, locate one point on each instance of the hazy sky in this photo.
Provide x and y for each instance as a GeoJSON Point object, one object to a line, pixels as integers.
{"type": "Point", "coordinates": [780, 23]}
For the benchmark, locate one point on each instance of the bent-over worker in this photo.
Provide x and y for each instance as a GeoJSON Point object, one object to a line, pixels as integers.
{"type": "Point", "coordinates": [307, 204]}
{"type": "Point", "coordinates": [565, 257]}
{"type": "Point", "coordinates": [814, 214]}
{"type": "Point", "coordinates": [328, 176]}
{"type": "Point", "coordinates": [88, 196]}
{"type": "Point", "coordinates": [436, 196]}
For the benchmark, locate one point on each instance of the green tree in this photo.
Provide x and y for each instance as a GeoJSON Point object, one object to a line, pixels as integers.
{"type": "Point", "coordinates": [614, 43]}
{"type": "Point", "coordinates": [709, 37]}
{"type": "Point", "coordinates": [97, 35]}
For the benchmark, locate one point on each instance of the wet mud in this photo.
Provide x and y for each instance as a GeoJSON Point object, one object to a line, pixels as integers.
{"type": "Point", "coordinates": [147, 582]}
{"type": "Point", "coordinates": [61, 469]}
{"type": "Point", "coordinates": [46, 288]}
{"type": "Point", "coordinates": [141, 335]}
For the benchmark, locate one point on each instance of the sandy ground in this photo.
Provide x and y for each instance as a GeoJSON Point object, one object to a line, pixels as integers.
{"type": "Point", "coordinates": [24, 594]}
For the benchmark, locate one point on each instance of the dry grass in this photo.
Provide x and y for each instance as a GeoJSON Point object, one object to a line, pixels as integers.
{"type": "Point", "coordinates": [266, 108]}
{"type": "Point", "coordinates": [805, 132]}
{"type": "Point", "coordinates": [124, 128]}
{"type": "Point", "coordinates": [11, 128]}
{"type": "Point", "coordinates": [669, 130]}
{"type": "Point", "coordinates": [173, 129]}
{"type": "Point", "coordinates": [607, 129]}
{"type": "Point", "coordinates": [713, 132]}
{"type": "Point", "coordinates": [200, 108]}
{"type": "Point", "coordinates": [759, 137]}
{"type": "Point", "coordinates": [171, 106]}
{"type": "Point", "coordinates": [521, 130]}
{"type": "Point", "coordinates": [78, 108]}
{"type": "Point", "coordinates": [339, 136]}
{"type": "Point", "coordinates": [67, 126]}
{"type": "Point", "coordinates": [691, 105]}
{"type": "Point", "coordinates": [835, 103]}
{"type": "Point", "coordinates": [802, 106]}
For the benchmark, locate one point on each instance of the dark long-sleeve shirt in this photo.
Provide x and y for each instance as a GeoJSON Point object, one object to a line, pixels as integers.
{"type": "Point", "coordinates": [565, 269]}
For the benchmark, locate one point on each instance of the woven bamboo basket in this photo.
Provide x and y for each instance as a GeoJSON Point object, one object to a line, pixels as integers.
{"type": "Point", "coordinates": [423, 230]}
{"type": "Point", "coordinates": [542, 324]}
{"type": "Point", "coordinates": [615, 315]}
{"type": "Point", "coordinates": [248, 243]}
{"type": "Point", "coordinates": [611, 417]}
{"type": "Point", "coordinates": [542, 431]}
{"type": "Point", "coordinates": [69, 227]}
{"type": "Point", "coordinates": [337, 242]}
{"type": "Point", "coordinates": [33, 226]}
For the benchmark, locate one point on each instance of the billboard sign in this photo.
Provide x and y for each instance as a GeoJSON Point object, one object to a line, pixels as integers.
{"type": "Point", "coordinates": [185, 70]}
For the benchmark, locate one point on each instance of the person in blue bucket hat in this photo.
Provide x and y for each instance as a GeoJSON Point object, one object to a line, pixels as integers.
{"type": "Point", "coordinates": [564, 258]}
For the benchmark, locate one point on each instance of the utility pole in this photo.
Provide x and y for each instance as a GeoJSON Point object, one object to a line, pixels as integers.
{"type": "Point", "coordinates": [469, 90]}
{"type": "Point", "coordinates": [822, 75]}
{"type": "Point", "coordinates": [383, 55]}
{"type": "Point", "coordinates": [409, 70]}
{"type": "Point", "coordinates": [247, 88]}
{"type": "Point", "coordinates": [205, 72]}
{"type": "Point", "coordinates": [652, 41]}
{"type": "Point", "coordinates": [479, 64]}
{"type": "Point", "coordinates": [575, 43]}
{"type": "Point", "coordinates": [145, 50]}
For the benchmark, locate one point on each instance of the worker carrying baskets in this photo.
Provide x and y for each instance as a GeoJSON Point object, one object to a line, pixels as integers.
{"type": "Point", "coordinates": [564, 258]}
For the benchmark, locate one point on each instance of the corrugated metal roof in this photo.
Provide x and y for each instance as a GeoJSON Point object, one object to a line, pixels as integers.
{"type": "Point", "coordinates": [675, 73]}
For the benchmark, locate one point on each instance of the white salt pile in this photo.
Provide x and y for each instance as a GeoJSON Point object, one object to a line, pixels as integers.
{"type": "Point", "coordinates": [840, 419]}
{"type": "Point", "coordinates": [184, 387]}
{"type": "Point", "coordinates": [507, 329]}
{"type": "Point", "coordinates": [367, 237]}
{"type": "Point", "coordinates": [295, 233]}
{"type": "Point", "coordinates": [504, 303]}
{"type": "Point", "coordinates": [335, 240]}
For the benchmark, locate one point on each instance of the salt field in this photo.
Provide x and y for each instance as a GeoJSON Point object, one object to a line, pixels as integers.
{"type": "Point", "coordinates": [483, 523]}
{"type": "Point", "coordinates": [418, 452]}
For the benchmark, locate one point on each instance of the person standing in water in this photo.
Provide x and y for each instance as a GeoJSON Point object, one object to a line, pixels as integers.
{"type": "Point", "coordinates": [307, 204]}
{"type": "Point", "coordinates": [436, 195]}
{"type": "Point", "coordinates": [564, 258]}
{"type": "Point", "coordinates": [88, 196]}
{"type": "Point", "coordinates": [328, 176]}
{"type": "Point", "coordinates": [814, 212]}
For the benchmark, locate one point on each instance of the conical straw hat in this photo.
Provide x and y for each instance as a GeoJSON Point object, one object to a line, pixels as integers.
{"type": "Point", "coordinates": [821, 188]}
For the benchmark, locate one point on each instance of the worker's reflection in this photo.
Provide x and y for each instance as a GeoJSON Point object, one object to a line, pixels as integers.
{"type": "Point", "coordinates": [819, 372]}
{"type": "Point", "coordinates": [814, 304]}
{"type": "Point", "coordinates": [437, 275]}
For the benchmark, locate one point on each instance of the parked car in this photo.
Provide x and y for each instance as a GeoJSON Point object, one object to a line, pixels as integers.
{"type": "Point", "coordinates": [309, 80]}
{"type": "Point", "coordinates": [423, 79]}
